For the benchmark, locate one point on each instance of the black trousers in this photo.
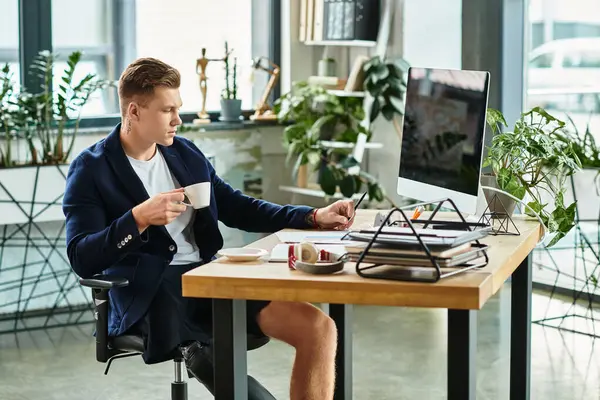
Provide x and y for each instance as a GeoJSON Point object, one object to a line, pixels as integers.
{"type": "Point", "coordinates": [172, 319]}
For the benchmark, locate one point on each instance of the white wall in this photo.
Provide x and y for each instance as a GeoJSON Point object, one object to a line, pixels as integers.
{"type": "Point", "coordinates": [432, 33]}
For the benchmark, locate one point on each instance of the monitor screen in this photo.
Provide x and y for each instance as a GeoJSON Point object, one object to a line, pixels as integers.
{"type": "Point", "coordinates": [444, 125]}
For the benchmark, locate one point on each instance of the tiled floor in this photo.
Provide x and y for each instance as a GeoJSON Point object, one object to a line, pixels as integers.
{"type": "Point", "coordinates": [398, 354]}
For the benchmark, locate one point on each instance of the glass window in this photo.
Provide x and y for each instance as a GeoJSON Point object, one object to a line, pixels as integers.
{"type": "Point", "coordinates": [157, 31]}
{"type": "Point", "coordinates": [207, 24]}
{"type": "Point", "coordinates": [91, 33]}
{"type": "Point", "coordinates": [9, 37]}
{"type": "Point", "coordinates": [564, 68]}
{"type": "Point", "coordinates": [566, 30]}
{"type": "Point", "coordinates": [542, 61]}
{"type": "Point", "coordinates": [582, 59]}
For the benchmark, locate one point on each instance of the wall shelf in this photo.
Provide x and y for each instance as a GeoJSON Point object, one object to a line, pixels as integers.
{"type": "Point", "coordinates": [349, 43]}
{"type": "Point", "coordinates": [344, 93]}
{"type": "Point", "coordinates": [346, 145]}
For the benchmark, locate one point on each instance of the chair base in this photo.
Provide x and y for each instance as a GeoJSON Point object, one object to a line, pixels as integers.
{"type": "Point", "coordinates": [179, 386]}
{"type": "Point", "coordinates": [179, 391]}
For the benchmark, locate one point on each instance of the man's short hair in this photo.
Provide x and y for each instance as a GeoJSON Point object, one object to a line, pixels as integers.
{"type": "Point", "coordinates": [142, 76]}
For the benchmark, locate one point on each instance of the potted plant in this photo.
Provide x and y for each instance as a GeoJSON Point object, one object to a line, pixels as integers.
{"type": "Point", "coordinates": [231, 106]}
{"type": "Point", "coordinates": [48, 123]}
{"type": "Point", "coordinates": [315, 119]}
{"type": "Point", "coordinates": [529, 163]}
{"type": "Point", "coordinates": [7, 99]}
{"type": "Point", "coordinates": [386, 83]}
{"type": "Point", "coordinates": [45, 119]}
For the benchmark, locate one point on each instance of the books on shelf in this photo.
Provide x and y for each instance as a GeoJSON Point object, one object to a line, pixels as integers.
{"type": "Point", "coordinates": [339, 20]}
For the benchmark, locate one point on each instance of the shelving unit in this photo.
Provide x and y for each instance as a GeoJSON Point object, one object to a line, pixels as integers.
{"type": "Point", "coordinates": [352, 43]}
{"type": "Point", "coordinates": [379, 47]}
{"type": "Point", "coordinates": [345, 145]}
{"type": "Point", "coordinates": [344, 93]}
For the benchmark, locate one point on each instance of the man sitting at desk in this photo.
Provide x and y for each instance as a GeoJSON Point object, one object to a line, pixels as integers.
{"type": "Point", "coordinates": [124, 217]}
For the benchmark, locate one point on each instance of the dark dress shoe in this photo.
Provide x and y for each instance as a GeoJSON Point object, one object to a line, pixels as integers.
{"type": "Point", "coordinates": [199, 362]}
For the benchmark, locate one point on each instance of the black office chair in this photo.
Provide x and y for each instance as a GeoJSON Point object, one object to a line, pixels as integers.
{"type": "Point", "coordinates": [112, 348]}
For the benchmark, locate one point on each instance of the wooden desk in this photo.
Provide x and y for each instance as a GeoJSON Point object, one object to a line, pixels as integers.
{"type": "Point", "coordinates": [230, 284]}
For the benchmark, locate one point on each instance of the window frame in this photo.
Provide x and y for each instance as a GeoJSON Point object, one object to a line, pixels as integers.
{"type": "Point", "coordinates": [35, 34]}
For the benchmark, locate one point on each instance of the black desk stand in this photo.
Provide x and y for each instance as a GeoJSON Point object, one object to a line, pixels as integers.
{"type": "Point", "coordinates": [420, 274]}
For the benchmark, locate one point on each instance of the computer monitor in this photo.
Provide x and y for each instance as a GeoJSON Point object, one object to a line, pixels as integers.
{"type": "Point", "coordinates": [443, 136]}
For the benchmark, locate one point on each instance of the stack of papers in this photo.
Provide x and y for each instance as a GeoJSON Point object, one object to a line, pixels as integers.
{"type": "Point", "coordinates": [325, 237]}
{"type": "Point", "coordinates": [400, 246]}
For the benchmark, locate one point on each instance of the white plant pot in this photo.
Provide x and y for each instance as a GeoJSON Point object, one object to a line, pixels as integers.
{"type": "Point", "coordinates": [587, 188]}
{"type": "Point", "coordinates": [32, 194]}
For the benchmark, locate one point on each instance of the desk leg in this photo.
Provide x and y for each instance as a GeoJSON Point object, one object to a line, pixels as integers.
{"type": "Point", "coordinates": [520, 332]}
{"type": "Point", "coordinates": [462, 354]}
{"type": "Point", "coordinates": [342, 315]}
{"type": "Point", "coordinates": [229, 336]}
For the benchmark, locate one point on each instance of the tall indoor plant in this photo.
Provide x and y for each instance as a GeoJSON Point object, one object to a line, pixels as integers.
{"type": "Point", "coordinates": [529, 163]}
{"type": "Point", "coordinates": [46, 119]}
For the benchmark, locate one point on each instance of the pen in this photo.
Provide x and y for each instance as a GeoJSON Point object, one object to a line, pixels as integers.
{"type": "Point", "coordinates": [417, 213]}
{"type": "Point", "coordinates": [358, 204]}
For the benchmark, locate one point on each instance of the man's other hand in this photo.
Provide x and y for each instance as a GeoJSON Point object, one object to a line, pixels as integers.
{"type": "Point", "coordinates": [160, 209]}
{"type": "Point", "coordinates": [336, 216]}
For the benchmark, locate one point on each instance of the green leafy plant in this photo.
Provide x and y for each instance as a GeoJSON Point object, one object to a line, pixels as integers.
{"type": "Point", "coordinates": [7, 98]}
{"type": "Point", "coordinates": [230, 90]}
{"type": "Point", "coordinates": [313, 116]}
{"type": "Point", "coordinates": [530, 161]}
{"type": "Point", "coordinates": [584, 146]}
{"type": "Point", "coordinates": [44, 119]}
{"type": "Point", "coordinates": [385, 81]}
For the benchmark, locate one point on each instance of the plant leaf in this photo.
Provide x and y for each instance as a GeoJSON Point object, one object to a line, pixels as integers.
{"type": "Point", "coordinates": [327, 180]}
{"type": "Point", "coordinates": [388, 111]}
{"type": "Point", "coordinates": [348, 186]}
{"type": "Point", "coordinates": [316, 129]}
{"type": "Point", "coordinates": [397, 103]}
{"type": "Point", "coordinates": [375, 109]}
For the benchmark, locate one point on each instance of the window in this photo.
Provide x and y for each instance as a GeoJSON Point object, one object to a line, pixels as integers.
{"type": "Point", "coordinates": [564, 69]}
{"type": "Point", "coordinates": [582, 59]}
{"type": "Point", "coordinates": [207, 24]}
{"type": "Point", "coordinates": [90, 33]}
{"type": "Point", "coordinates": [542, 61]}
{"type": "Point", "coordinates": [567, 30]}
{"type": "Point", "coordinates": [113, 33]}
{"type": "Point", "coordinates": [9, 37]}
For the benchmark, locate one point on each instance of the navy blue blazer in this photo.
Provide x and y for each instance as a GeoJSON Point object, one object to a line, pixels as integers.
{"type": "Point", "coordinates": [102, 236]}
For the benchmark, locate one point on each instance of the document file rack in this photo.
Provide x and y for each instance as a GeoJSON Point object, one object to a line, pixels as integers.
{"type": "Point", "coordinates": [432, 273]}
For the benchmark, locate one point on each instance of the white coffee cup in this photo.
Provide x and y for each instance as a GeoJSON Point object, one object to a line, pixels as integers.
{"type": "Point", "coordinates": [198, 195]}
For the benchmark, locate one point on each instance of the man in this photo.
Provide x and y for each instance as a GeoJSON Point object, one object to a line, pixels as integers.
{"type": "Point", "coordinates": [124, 217]}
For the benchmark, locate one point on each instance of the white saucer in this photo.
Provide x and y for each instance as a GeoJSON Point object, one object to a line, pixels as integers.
{"type": "Point", "coordinates": [243, 254]}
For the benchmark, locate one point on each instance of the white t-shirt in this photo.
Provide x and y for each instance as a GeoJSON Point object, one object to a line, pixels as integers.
{"type": "Point", "coordinates": [157, 178]}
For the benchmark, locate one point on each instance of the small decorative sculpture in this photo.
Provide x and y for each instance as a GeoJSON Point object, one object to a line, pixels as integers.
{"type": "Point", "coordinates": [263, 110]}
{"type": "Point", "coordinates": [201, 64]}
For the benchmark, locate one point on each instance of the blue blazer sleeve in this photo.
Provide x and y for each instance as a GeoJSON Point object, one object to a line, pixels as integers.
{"type": "Point", "coordinates": [92, 245]}
{"type": "Point", "coordinates": [240, 211]}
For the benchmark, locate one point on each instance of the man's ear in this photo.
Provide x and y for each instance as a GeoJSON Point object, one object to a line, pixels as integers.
{"type": "Point", "coordinates": [133, 111]}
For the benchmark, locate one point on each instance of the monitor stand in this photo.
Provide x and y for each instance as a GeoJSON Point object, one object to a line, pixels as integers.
{"type": "Point", "coordinates": [481, 207]}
